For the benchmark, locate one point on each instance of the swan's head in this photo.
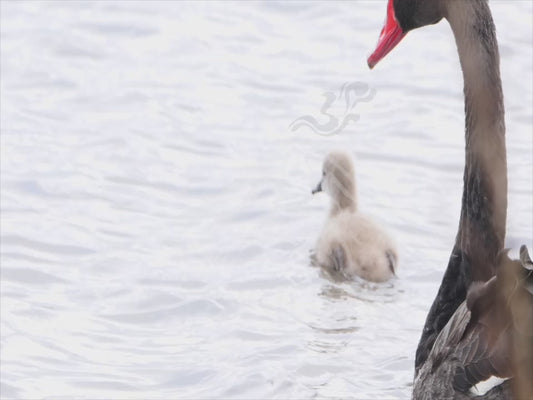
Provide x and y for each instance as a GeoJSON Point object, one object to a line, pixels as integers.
{"type": "Point", "coordinates": [338, 180]}
{"type": "Point", "coordinates": [403, 16]}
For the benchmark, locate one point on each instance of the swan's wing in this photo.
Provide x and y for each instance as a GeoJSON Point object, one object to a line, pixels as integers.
{"type": "Point", "coordinates": [497, 341]}
{"type": "Point", "coordinates": [480, 359]}
{"type": "Point", "coordinates": [334, 267]}
{"type": "Point", "coordinates": [391, 258]}
{"type": "Point", "coordinates": [449, 337]}
{"type": "Point", "coordinates": [452, 293]}
{"type": "Point", "coordinates": [525, 259]}
{"type": "Point", "coordinates": [313, 258]}
{"type": "Point", "coordinates": [338, 259]}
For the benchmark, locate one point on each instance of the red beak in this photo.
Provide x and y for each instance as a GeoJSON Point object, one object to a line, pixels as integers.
{"type": "Point", "coordinates": [391, 34]}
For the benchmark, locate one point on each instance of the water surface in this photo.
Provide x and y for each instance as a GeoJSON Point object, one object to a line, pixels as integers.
{"type": "Point", "coordinates": [156, 207]}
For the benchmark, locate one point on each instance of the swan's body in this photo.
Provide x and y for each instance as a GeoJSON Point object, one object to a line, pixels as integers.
{"type": "Point", "coordinates": [489, 339]}
{"type": "Point", "coordinates": [351, 243]}
{"type": "Point", "coordinates": [462, 344]}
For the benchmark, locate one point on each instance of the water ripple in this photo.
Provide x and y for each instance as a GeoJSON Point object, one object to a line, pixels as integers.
{"type": "Point", "coordinates": [156, 207]}
{"type": "Point", "coordinates": [49, 248]}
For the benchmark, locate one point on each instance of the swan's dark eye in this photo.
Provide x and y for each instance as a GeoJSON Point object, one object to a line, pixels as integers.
{"type": "Point", "coordinates": [323, 173]}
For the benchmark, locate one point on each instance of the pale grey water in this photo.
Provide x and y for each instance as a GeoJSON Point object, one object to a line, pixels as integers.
{"type": "Point", "coordinates": [156, 215]}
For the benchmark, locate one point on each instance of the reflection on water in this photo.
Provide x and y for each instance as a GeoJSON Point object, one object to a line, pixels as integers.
{"type": "Point", "coordinates": [156, 207]}
{"type": "Point", "coordinates": [362, 290]}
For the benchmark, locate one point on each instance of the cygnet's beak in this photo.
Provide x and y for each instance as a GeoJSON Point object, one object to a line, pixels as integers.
{"type": "Point", "coordinates": [318, 188]}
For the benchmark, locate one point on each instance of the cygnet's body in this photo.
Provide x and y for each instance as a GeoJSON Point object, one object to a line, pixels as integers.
{"type": "Point", "coordinates": [351, 243]}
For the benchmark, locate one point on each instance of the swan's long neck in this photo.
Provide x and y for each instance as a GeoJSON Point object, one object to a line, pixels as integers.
{"type": "Point", "coordinates": [482, 226]}
{"type": "Point", "coordinates": [345, 197]}
{"type": "Point", "coordinates": [483, 215]}
{"type": "Point", "coordinates": [343, 203]}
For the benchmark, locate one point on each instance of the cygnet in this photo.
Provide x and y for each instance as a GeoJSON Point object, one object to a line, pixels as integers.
{"type": "Point", "coordinates": [351, 243]}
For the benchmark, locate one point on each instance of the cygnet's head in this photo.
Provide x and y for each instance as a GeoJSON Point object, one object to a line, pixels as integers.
{"type": "Point", "coordinates": [338, 181]}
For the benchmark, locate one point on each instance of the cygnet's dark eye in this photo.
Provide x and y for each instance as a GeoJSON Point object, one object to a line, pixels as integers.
{"type": "Point", "coordinates": [323, 173]}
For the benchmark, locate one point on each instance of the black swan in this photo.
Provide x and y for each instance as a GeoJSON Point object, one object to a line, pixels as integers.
{"type": "Point", "coordinates": [480, 325]}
